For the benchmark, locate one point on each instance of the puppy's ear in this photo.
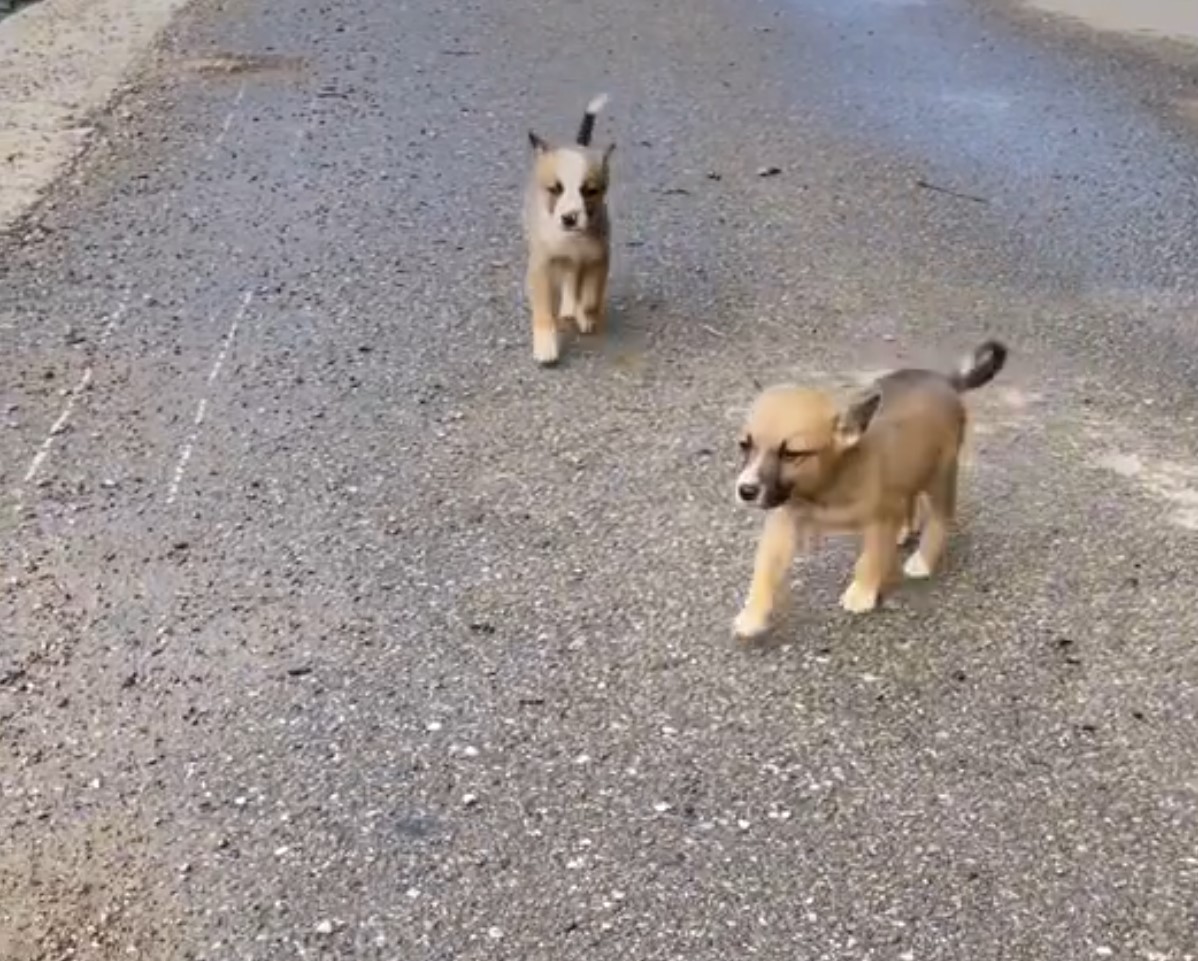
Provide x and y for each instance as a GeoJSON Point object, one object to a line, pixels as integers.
{"type": "Point", "coordinates": [538, 144]}
{"type": "Point", "coordinates": [855, 418]}
{"type": "Point", "coordinates": [608, 151]}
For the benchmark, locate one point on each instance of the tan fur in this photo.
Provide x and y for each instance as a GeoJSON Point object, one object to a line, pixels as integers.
{"type": "Point", "coordinates": [884, 467]}
{"type": "Point", "coordinates": [567, 265]}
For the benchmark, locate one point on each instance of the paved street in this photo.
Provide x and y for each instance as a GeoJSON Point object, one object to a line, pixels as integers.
{"type": "Point", "coordinates": [331, 627]}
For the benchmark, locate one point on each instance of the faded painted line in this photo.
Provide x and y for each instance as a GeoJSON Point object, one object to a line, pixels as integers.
{"type": "Point", "coordinates": [58, 427]}
{"type": "Point", "coordinates": [197, 421]}
{"type": "Point", "coordinates": [301, 129]}
{"type": "Point", "coordinates": [1173, 483]}
{"type": "Point", "coordinates": [68, 407]}
{"type": "Point", "coordinates": [227, 123]}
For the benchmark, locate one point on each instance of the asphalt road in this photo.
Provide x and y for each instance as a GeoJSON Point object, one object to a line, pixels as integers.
{"type": "Point", "coordinates": [331, 627]}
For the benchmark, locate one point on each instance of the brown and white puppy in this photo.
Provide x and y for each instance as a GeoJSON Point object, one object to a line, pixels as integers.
{"type": "Point", "coordinates": [568, 235]}
{"type": "Point", "coordinates": [868, 467]}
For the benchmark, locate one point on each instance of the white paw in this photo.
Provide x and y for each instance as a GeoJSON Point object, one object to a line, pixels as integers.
{"type": "Point", "coordinates": [858, 600]}
{"type": "Point", "coordinates": [585, 322]}
{"type": "Point", "coordinates": [750, 624]}
{"type": "Point", "coordinates": [916, 567]}
{"type": "Point", "coordinates": [544, 347]}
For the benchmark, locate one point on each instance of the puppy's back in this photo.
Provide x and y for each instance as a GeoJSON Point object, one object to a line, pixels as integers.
{"type": "Point", "coordinates": [918, 426]}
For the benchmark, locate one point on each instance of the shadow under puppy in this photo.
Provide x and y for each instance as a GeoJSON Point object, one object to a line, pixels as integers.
{"type": "Point", "coordinates": [873, 468]}
{"type": "Point", "coordinates": [568, 235]}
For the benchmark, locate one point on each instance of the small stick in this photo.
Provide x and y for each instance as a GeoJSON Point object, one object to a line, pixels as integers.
{"type": "Point", "coordinates": [928, 185]}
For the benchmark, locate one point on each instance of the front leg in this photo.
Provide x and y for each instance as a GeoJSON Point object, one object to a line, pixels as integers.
{"type": "Point", "coordinates": [570, 278]}
{"type": "Point", "coordinates": [592, 296]}
{"type": "Point", "coordinates": [775, 551]}
{"type": "Point", "coordinates": [544, 323]}
{"type": "Point", "coordinates": [875, 569]}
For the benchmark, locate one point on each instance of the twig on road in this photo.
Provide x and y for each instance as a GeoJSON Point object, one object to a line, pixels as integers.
{"type": "Point", "coordinates": [928, 185]}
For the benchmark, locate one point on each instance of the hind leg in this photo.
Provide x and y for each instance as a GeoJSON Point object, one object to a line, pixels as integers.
{"type": "Point", "coordinates": [914, 522]}
{"type": "Point", "coordinates": [941, 509]}
{"type": "Point", "coordinates": [571, 287]}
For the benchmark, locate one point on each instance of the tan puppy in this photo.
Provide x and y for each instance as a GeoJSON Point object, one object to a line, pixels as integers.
{"type": "Point", "coordinates": [568, 234]}
{"type": "Point", "coordinates": [865, 468]}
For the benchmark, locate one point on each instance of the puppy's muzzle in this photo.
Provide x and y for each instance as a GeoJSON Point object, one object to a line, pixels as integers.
{"type": "Point", "coordinates": [570, 221]}
{"type": "Point", "coordinates": [748, 492]}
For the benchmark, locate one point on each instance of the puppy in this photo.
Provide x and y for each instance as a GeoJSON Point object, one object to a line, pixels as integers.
{"type": "Point", "coordinates": [866, 468]}
{"type": "Point", "coordinates": [568, 235]}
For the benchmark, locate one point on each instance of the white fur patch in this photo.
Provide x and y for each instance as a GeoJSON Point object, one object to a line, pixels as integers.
{"type": "Point", "coordinates": [858, 600]}
{"type": "Point", "coordinates": [571, 168]}
{"type": "Point", "coordinates": [751, 475]}
{"type": "Point", "coordinates": [597, 104]}
{"type": "Point", "coordinates": [750, 624]}
{"type": "Point", "coordinates": [916, 567]}
{"type": "Point", "coordinates": [545, 346]}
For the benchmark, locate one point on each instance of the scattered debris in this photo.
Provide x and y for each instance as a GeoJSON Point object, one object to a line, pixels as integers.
{"type": "Point", "coordinates": [769, 171]}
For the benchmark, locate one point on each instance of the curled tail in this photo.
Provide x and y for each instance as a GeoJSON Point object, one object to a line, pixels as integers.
{"type": "Point", "coordinates": [980, 367]}
{"type": "Point", "coordinates": [587, 127]}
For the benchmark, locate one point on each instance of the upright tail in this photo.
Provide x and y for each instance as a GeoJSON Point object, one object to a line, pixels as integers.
{"type": "Point", "coordinates": [587, 127]}
{"type": "Point", "coordinates": [980, 367]}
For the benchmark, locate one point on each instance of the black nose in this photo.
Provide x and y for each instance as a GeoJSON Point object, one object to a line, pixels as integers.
{"type": "Point", "coordinates": [748, 492]}
{"type": "Point", "coordinates": [569, 220]}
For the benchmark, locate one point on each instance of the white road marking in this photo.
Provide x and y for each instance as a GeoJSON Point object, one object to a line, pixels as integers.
{"type": "Point", "coordinates": [305, 122]}
{"type": "Point", "coordinates": [59, 426]}
{"type": "Point", "coordinates": [228, 122]}
{"type": "Point", "coordinates": [68, 407]}
{"type": "Point", "coordinates": [197, 422]}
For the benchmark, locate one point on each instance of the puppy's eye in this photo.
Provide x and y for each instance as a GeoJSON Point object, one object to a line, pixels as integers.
{"type": "Point", "coordinates": [745, 444]}
{"type": "Point", "coordinates": [555, 188]}
{"type": "Point", "coordinates": [590, 191]}
{"type": "Point", "coordinates": [792, 456]}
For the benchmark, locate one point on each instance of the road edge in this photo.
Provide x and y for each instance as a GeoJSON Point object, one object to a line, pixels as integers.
{"type": "Point", "coordinates": [60, 62]}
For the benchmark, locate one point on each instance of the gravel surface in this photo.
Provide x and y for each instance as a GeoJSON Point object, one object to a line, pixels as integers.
{"type": "Point", "coordinates": [332, 627]}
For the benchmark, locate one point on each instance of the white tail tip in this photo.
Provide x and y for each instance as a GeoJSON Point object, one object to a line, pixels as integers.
{"type": "Point", "coordinates": [597, 104]}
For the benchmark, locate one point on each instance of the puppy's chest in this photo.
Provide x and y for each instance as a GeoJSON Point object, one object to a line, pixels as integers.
{"type": "Point", "coordinates": [575, 247]}
{"type": "Point", "coordinates": [552, 243]}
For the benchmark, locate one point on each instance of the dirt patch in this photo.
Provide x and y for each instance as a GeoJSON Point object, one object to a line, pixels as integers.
{"type": "Point", "coordinates": [234, 64]}
{"type": "Point", "coordinates": [85, 894]}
